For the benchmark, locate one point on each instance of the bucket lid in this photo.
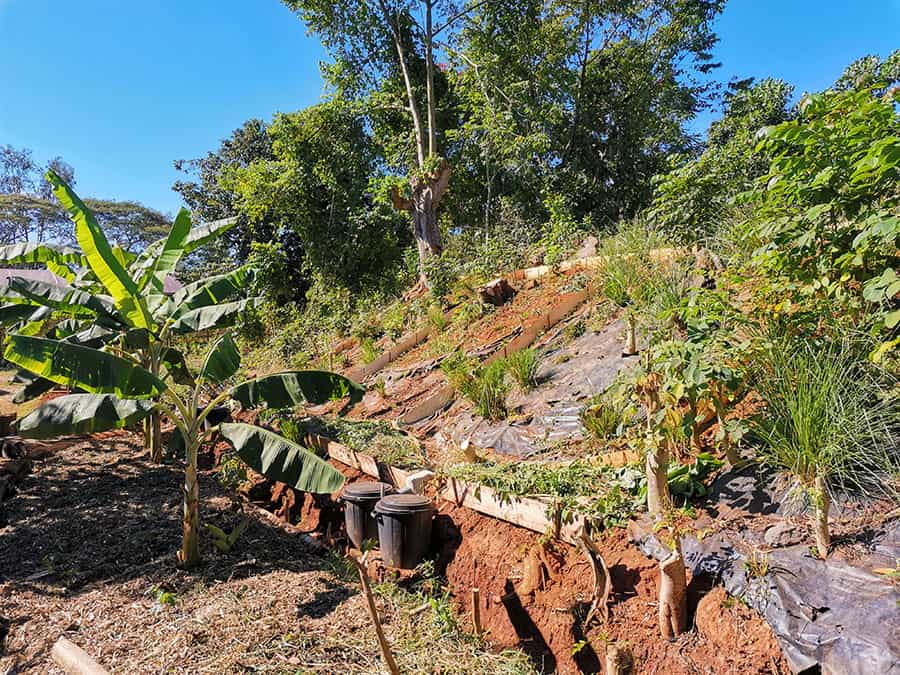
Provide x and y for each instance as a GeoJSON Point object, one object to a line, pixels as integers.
{"type": "Point", "coordinates": [367, 490]}
{"type": "Point", "coordinates": [408, 503]}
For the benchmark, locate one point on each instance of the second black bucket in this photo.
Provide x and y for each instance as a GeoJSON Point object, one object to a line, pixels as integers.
{"type": "Point", "coordinates": [359, 500]}
{"type": "Point", "coordinates": [404, 529]}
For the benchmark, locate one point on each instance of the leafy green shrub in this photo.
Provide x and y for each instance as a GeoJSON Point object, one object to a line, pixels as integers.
{"type": "Point", "coordinates": [522, 367]}
{"type": "Point", "coordinates": [485, 386]}
{"type": "Point", "coordinates": [561, 231]}
{"type": "Point", "coordinates": [605, 416]}
{"type": "Point", "coordinates": [368, 350]}
{"type": "Point", "coordinates": [827, 421]}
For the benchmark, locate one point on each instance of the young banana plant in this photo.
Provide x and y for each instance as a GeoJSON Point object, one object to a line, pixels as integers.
{"type": "Point", "coordinates": [115, 300]}
{"type": "Point", "coordinates": [121, 392]}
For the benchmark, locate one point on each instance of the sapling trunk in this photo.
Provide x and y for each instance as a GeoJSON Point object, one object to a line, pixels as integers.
{"type": "Point", "coordinates": [630, 337]}
{"type": "Point", "coordinates": [696, 439]}
{"type": "Point", "coordinates": [672, 594]}
{"type": "Point", "coordinates": [189, 556]}
{"type": "Point", "coordinates": [821, 506]}
{"type": "Point", "coordinates": [657, 465]}
{"type": "Point", "coordinates": [153, 437]}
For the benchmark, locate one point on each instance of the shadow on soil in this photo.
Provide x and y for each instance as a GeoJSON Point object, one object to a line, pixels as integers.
{"type": "Point", "coordinates": [97, 511]}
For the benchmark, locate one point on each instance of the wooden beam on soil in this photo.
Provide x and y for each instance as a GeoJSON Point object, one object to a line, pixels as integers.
{"type": "Point", "coordinates": [362, 373]}
{"type": "Point", "coordinates": [530, 333]}
{"type": "Point", "coordinates": [75, 660]}
{"type": "Point", "coordinates": [528, 512]}
{"type": "Point", "coordinates": [359, 460]}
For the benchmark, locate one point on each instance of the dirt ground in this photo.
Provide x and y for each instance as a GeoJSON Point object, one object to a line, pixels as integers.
{"type": "Point", "coordinates": [726, 636]}
{"type": "Point", "coordinates": [88, 553]}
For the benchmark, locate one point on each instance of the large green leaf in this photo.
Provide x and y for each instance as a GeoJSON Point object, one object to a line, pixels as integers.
{"type": "Point", "coordinates": [281, 460]}
{"type": "Point", "coordinates": [286, 390]}
{"type": "Point", "coordinates": [222, 361]}
{"type": "Point", "coordinates": [27, 252]}
{"type": "Point", "coordinates": [33, 389]}
{"type": "Point", "coordinates": [14, 313]}
{"type": "Point", "coordinates": [72, 366]}
{"type": "Point", "coordinates": [109, 269]}
{"type": "Point", "coordinates": [215, 316]}
{"type": "Point", "coordinates": [170, 253]}
{"type": "Point", "coordinates": [83, 414]}
{"type": "Point", "coordinates": [176, 367]}
{"type": "Point", "coordinates": [197, 236]}
{"type": "Point", "coordinates": [211, 291]}
{"type": "Point", "coordinates": [63, 299]}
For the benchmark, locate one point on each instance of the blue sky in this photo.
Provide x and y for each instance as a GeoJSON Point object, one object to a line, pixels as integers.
{"type": "Point", "coordinates": [121, 89]}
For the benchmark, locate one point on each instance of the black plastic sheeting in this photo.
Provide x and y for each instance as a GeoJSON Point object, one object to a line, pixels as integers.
{"type": "Point", "coordinates": [836, 614]}
{"type": "Point", "coordinates": [570, 373]}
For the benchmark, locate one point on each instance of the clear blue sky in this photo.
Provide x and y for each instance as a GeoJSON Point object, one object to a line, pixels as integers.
{"type": "Point", "coordinates": [121, 89]}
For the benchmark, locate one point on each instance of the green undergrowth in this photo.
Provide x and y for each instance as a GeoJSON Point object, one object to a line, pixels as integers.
{"type": "Point", "coordinates": [605, 495]}
{"type": "Point", "coordinates": [378, 439]}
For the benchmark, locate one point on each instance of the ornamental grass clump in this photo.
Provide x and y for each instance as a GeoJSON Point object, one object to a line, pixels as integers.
{"type": "Point", "coordinates": [522, 367]}
{"type": "Point", "coordinates": [829, 421]}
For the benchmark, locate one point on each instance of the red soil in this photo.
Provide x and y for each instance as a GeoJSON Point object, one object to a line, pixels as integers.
{"type": "Point", "coordinates": [490, 555]}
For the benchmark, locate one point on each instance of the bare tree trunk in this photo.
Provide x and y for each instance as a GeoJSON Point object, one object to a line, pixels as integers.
{"type": "Point", "coordinates": [427, 192]}
{"type": "Point", "coordinates": [821, 507]}
{"type": "Point", "coordinates": [630, 337]}
{"type": "Point", "coordinates": [189, 555]}
{"type": "Point", "coordinates": [657, 465]}
{"type": "Point", "coordinates": [429, 81]}
{"type": "Point", "coordinates": [672, 594]}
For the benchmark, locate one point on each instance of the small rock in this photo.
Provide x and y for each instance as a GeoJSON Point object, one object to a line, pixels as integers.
{"type": "Point", "coordinates": [588, 248]}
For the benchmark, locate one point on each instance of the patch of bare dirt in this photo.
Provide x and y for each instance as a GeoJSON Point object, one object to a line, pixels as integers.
{"type": "Point", "coordinates": [537, 598]}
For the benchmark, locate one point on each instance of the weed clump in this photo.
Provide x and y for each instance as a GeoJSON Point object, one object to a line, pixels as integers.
{"type": "Point", "coordinates": [485, 385]}
{"type": "Point", "coordinates": [522, 367]}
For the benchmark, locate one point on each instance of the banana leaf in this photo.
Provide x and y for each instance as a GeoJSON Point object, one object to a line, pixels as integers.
{"type": "Point", "coordinates": [74, 366]}
{"type": "Point", "coordinates": [32, 390]}
{"type": "Point", "coordinates": [63, 299]}
{"type": "Point", "coordinates": [281, 460]}
{"type": "Point", "coordinates": [222, 360]}
{"type": "Point", "coordinates": [176, 367]}
{"type": "Point", "coordinates": [211, 291]}
{"type": "Point", "coordinates": [198, 236]}
{"type": "Point", "coordinates": [27, 252]}
{"type": "Point", "coordinates": [101, 257]}
{"type": "Point", "coordinates": [83, 414]}
{"type": "Point", "coordinates": [13, 313]}
{"type": "Point", "coordinates": [172, 250]}
{"type": "Point", "coordinates": [289, 389]}
{"type": "Point", "coordinates": [214, 316]}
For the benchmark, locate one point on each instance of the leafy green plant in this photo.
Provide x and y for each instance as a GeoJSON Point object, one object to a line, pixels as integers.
{"type": "Point", "coordinates": [605, 416]}
{"type": "Point", "coordinates": [122, 393]}
{"type": "Point", "coordinates": [367, 349]}
{"type": "Point", "coordinates": [484, 385]}
{"type": "Point", "coordinates": [523, 367]}
{"type": "Point", "coordinates": [115, 300]}
{"type": "Point", "coordinates": [828, 422]}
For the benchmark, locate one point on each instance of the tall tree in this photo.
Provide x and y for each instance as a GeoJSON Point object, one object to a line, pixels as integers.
{"type": "Point", "coordinates": [583, 98]}
{"type": "Point", "coordinates": [378, 41]}
{"type": "Point", "coordinates": [209, 200]}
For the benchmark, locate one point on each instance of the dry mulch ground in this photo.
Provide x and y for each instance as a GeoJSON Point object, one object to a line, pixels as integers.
{"type": "Point", "coordinates": [88, 552]}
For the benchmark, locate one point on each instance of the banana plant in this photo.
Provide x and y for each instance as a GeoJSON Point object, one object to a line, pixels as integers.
{"type": "Point", "coordinates": [120, 392]}
{"type": "Point", "coordinates": [116, 300]}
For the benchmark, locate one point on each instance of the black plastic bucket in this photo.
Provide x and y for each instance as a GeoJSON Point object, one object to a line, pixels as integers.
{"type": "Point", "coordinates": [359, 500]}
{"type": "Point", "coordinates": [404, 529]}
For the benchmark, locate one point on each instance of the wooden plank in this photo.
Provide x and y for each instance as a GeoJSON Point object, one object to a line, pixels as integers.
{"type": "Point", "coordinates": [362, 373]}
{"type": "Point", "coordinates": [527, 512]}
{"type": "Point", "coordinates": [360, 460]}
